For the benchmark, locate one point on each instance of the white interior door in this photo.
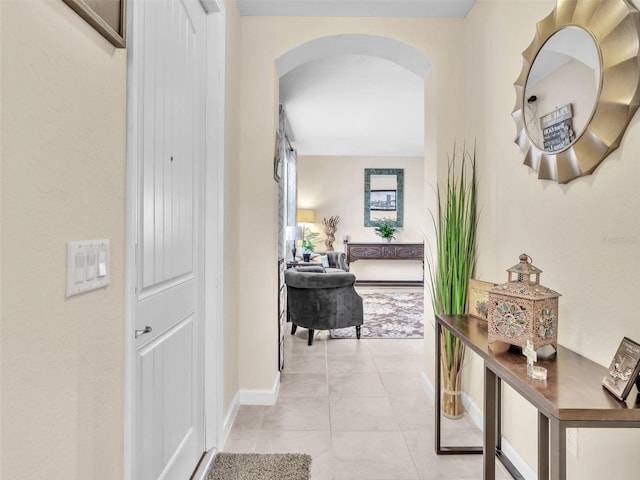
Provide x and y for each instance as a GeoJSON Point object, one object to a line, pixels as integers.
{"type": "Point", "coordinates": [168, 419]}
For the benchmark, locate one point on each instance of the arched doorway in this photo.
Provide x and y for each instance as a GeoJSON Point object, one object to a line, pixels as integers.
{"type": "Point", "coordinates": [391, 50]}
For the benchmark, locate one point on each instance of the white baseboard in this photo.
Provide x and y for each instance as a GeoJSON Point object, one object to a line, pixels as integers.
{"type": "Point", "coordinates": [229, 419]}
{"type": "Point", "coordinates": [523, 467]}
{"type": "Point", "coordinates": [261, 397]}
{"type": "Point", "coordinates": [428, 387]}
{"type": "Point", "coordinates": [204, 465]}
{"type": "Point", "coordinates": [476, 416]}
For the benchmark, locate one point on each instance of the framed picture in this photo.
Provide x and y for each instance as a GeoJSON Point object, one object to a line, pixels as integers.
{"type": "Point", "coordinates": [623, 370]}
{"type": "Point", "coordinates": [107, 18]}
{"type": "Point", "coordinates": [277, 160]}
{"type": "Point", "coordinates": [382, 200]}
{"type": "Point", "coordinates": [478, 298]}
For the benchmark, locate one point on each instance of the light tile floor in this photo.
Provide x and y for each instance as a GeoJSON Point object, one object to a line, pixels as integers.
{"type": "Point", "coordinates": [360, 410]}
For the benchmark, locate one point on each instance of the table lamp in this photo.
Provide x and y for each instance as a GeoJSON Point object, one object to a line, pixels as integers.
{"type": "Point", "coordinates": [294, 234]}
{"type": "Point", "coordinates": [306, 216]}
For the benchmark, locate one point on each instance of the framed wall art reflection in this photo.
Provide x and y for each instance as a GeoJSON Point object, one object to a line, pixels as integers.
{"type": "Point", "coordinates": [106, 17]}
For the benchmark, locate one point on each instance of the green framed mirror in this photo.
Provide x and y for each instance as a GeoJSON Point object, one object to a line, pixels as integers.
{"type": "Point", "coordinates": [383, 195]}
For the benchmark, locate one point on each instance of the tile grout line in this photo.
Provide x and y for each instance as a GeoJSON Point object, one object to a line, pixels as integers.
{"type": "Point", "coordinates": [326, 361]}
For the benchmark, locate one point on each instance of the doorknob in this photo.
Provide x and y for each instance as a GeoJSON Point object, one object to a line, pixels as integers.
{"type": "Point", "coordinates": [147, 329]}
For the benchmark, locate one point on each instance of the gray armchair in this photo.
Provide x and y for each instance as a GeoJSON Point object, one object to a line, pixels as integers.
{"type": "Point", "coordinates": [322, 301]}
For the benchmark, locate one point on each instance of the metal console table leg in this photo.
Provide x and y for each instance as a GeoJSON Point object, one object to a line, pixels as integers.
{"type": "Point", "coordinates": [440, 449]}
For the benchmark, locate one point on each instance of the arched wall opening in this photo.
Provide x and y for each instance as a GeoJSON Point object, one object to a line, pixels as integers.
{"type": "Point", "coordinates": [414, 61]}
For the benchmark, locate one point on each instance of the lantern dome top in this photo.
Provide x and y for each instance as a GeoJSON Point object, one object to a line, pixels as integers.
{"type": "Point", "coordinates": [524, 282]}
{"type": "Point", "coordinates": [525, 269]}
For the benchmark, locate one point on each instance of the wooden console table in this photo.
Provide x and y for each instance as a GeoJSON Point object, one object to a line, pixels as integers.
{"type": "Point", "coordinates": [386, 251]}
{"type": "Point", "coordinates": [571, 397]}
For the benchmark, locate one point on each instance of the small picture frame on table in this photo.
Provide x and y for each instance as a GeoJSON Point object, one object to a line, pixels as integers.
{"type": "Point", "coordinates": [624, 369]}
{"type": "Point", "coordinates": [478, 298]}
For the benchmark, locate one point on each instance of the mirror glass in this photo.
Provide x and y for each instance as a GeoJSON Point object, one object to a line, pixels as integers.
{"type": "Point", "coordinates": [561, 91]}
{"type": "Point", "coordinates": [383, 195]}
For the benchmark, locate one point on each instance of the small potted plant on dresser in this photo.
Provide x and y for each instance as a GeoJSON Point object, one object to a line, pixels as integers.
{"type": "Point", "coordinates": [385, 229]}
{"type": "Point", "coordinates": [307, 248]}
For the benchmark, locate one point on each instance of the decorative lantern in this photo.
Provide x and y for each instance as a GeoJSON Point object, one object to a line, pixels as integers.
{"type": "Point", "coordinates": [522, 309]}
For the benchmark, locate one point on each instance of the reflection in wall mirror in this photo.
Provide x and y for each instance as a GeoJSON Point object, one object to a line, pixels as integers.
{"type": "Point", "coordinates": [579, 87]}
{"type": "Point", "coordinates": [383, 195]}
{"type": "Point", "coordinates": [562, 89]}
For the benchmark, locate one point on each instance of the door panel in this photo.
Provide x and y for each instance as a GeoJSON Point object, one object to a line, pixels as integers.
{"type": "Point", "coordinates": [170, 129]}
{"type": "Point", "coordinates": [167, 388]}
{"type": "Point", "coordinates": [169, 400]}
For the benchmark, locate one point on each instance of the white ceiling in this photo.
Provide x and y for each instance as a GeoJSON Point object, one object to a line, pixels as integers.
{"type": "Point", "coordinates": [355, 104]}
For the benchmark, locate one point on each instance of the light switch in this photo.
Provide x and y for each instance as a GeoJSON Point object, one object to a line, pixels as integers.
{"type": "Point", "coordinates": [80, 267]}
{"type": "Point", "coordinates": [87, 266]}
{"type": "Point", "coordinates": [92, 262]}
{"type": "Point", "coordinates": [102, 263]}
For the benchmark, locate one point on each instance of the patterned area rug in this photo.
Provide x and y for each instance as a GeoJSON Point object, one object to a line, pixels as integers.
{"type": "Point", "coordinates": [389, 315]}
{"type": "Point", "coordinates": [257, 466]}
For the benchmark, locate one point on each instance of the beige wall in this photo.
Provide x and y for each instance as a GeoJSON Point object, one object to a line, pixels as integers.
{"type": "Point", "coordinates": [585, 236]}
{"type": "Point", "coordinates": [264, 39]}
{"type": "Point", "coordinates": [63, 178]}
{"type": "Point", "coordinates": [232, 289]}
{"type": "Point", "coordinates": [335, 186]}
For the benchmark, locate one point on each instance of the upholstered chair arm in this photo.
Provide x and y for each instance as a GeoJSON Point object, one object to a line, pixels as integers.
{"type": "Point", "coordinates": [311, 268]}
{"type": "Point", "coordinates": [299, 279]}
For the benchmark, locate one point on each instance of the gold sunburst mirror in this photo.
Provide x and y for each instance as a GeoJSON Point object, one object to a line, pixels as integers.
{"type": "Point", "coordinates": [579, 87]}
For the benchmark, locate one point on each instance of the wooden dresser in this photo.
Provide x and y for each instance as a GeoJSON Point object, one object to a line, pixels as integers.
{"type": "Point", "coordinates": [386, 251]}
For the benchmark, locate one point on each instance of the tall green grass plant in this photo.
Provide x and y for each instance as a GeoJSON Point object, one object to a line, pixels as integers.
{"type": "Point", "coordinates": [456, 225]}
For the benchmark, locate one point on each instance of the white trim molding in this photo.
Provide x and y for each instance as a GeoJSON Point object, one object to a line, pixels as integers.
{"type": "Point", "coordinates": [214, 218]}
{"type": "Point", "coordinates": [475, 414]}
{"type": "Point", "coordinates": [428, 387]}
{"type": "Point", "coordinates": [261, 397]}
{"type": "Point", "coordinates": [228, 421]}
{"type": "Point", "coordinates": [523, 467]}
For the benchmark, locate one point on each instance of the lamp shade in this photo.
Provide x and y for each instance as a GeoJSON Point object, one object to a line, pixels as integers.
{"type": "Point", "coordinates": [294, 233]}
{"type": "Point", "coordinates": [306, 216]}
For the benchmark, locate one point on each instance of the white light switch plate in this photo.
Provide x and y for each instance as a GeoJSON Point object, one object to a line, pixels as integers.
{"type": "Point", "coordinates": [84, 275]}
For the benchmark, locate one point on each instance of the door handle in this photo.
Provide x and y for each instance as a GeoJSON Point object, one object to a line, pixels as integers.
{"type": "Point", "coordinates": [147, 329]}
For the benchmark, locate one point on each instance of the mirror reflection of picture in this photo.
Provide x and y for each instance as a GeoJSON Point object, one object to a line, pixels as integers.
{"type": "Point", "coordinates": [383, 200]}
{"type": "Point", "coordinates": [557, 129]}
